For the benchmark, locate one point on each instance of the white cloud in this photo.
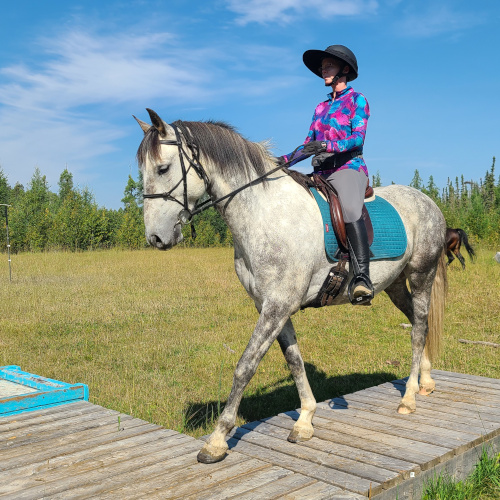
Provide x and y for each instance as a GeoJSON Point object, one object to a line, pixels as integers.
{"type": "Point", "coordinates": [85, 69]}
{"type": "Point", "coordinates": [57, 109]}
{"type": "Point", "coordinates": [64, 106]}
{"type": "Point", "coordinates": [432, 20]}
{"type": "Point", "coordinates": [285, 11]}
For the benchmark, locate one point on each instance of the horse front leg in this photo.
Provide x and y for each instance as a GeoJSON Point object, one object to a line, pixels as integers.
{"type": "Point", "coordinates": [269, 325]}
{"type": "Point", "coordinates": [302, 429]}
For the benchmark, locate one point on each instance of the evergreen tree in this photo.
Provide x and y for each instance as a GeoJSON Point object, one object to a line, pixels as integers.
{"type": "Point", "coordinates": [130, 231]}
{"type": "Point", "coordinates": [32, 218]}
{"type": "Point", "coordinates": [489, 188]}
{"type": "Point", "coordinates": [65, 184]}
{"type": "Point", "coordinates": [431, 190]}
{"type": "Point", "coordinates": [4, 188]}
{"type": "Point", "coordinates": [416, 182]}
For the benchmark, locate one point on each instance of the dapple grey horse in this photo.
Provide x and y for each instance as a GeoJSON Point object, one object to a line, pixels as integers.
{"type": "Point", "coordinates": [279, 250]}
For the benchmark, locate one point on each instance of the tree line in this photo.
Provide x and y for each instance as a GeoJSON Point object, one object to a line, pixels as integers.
{"type": "Point", "coordinates": [70, 219]}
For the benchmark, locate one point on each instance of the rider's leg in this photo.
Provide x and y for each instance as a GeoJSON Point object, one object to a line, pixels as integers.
{"type": "Point", "coordinates": [358, 239]}
{"type": "Point", "coordinates": [350, 186]}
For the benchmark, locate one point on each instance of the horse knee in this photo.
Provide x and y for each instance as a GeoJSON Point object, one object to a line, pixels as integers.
{"type": "Point", "coordinates": [243, 373]}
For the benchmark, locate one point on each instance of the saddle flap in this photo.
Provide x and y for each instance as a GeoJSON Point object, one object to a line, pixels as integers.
{"type": "Point", "coordinates": [331, 196]}
{"type": "Point", "coordinates": [329, 192]}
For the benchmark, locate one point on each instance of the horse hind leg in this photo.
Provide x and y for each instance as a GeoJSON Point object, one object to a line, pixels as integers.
{"type": "Point", "coordinates": [435, 328]}
{"type": "Point", "coordinates": [303, 429]}
{"type": "Point", "coordinates": [461, 259]}
{"type": "Point", "coordinates": [399, 294]}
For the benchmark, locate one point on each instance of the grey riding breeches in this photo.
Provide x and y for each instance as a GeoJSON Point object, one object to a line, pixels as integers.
{"type": "Point", "coordinates": [350, 186]}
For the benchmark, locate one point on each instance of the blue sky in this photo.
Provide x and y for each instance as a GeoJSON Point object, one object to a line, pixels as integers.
{"type": "Point", "coordinates": [72, 73]}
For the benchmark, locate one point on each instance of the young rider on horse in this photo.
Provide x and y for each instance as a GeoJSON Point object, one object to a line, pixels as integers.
{"type": "Point", "coordinates": [336, 138]}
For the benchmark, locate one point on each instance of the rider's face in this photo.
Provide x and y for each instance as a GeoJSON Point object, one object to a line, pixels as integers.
{"type": "Point", "coordinates": [329, 68]}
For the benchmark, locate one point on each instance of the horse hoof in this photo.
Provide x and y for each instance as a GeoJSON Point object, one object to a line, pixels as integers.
{"type": "Point", "coordinates": [211, 454]}
{"type": "Point", "coordinates": [404, 409]}
{"type": "Point", "coordinates": [298, 436]}
{"type": "Point", "coordinates": [425, 391]}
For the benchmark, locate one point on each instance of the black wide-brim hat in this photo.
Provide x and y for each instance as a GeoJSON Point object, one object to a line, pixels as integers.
{"type": "Point", "coordinates": [312, 59]}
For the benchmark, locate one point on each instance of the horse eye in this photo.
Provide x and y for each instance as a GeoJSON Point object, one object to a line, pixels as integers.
{"type": "Point", "coordinates": [163, 169]}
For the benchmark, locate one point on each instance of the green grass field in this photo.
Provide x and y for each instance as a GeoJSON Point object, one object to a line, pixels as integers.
{"type": "Point", "coordinates": [157, 334]}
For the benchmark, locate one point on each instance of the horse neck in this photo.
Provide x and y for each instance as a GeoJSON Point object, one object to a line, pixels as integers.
{"type": "Point", "coordinates": [238, 211]}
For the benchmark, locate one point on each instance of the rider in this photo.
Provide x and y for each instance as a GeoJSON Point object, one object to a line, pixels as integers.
{"type": "Point", "coordinates": [336, 138]}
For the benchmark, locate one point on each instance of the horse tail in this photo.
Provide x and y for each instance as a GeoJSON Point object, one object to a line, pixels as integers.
{"type": "Point", "coordinates": [436, 311]}
{"type": "Point", "coordinates": [465, 241]}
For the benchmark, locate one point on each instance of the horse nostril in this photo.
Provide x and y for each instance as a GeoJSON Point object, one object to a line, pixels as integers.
{"type": "Point", "coordinates": [155, 240]}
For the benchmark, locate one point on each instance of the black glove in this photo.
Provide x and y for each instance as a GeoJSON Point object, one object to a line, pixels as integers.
{"type": "Point", "coordinates": [280, 160]}
{"type": "Point", "coordinates": [314, 147]}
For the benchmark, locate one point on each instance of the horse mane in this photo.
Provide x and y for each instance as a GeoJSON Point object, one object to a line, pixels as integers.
{"type": "Point", "coordinates": [230, 152]}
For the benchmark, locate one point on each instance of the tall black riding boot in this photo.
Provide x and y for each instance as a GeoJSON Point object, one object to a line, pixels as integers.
{"type": "Point", "coordinates": [361, 287]}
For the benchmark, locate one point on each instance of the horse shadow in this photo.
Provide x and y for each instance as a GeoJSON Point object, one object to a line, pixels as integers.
{"type": "Point", "coordinates": [283, 396]}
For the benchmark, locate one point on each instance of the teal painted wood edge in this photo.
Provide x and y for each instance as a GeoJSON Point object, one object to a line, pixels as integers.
{"type": "Point", "coordinates": [48, 392]}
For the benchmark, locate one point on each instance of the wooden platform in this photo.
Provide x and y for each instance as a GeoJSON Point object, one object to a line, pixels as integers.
{"type": "Point", "coordinates": [362, 449]}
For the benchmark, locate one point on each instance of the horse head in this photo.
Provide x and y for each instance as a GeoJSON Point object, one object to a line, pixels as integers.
{"type": "Point", "coordinates": [171, 185]}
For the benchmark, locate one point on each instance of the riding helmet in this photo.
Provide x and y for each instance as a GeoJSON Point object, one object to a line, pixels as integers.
{"type": "Point", "coordinates": [312, 59]}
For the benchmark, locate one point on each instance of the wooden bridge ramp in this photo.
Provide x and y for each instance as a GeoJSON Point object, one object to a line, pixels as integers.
{"type": "Point", "coordinates": [361, 449]}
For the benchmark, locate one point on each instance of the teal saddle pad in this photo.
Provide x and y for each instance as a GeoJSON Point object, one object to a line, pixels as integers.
{"type": "Point", "coordinates": [389, 235]}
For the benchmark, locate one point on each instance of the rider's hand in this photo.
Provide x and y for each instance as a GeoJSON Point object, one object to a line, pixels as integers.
{"type": "Point", "coordinates": [280, 160]}
{"type": "Point", "coordinates": [314, 148]}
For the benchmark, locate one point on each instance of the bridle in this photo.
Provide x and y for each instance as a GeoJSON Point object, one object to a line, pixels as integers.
{"type": "Point", "coordinates": [185, 215]}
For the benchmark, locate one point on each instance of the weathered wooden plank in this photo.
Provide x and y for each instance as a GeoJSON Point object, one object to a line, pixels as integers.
{"type": "Point", "coordinates": [457, 467]}
{"type": "Point", "coordinates": [401, 420]}
{"type": "Point", "coordinates": [320, 491]}
{"type": "Point", "coordinates": [436, 453]}
{"type": "Point", "coordinates": [77, 439]}
{"type": "Point", "coordinates": [407, 453]}
{"type": "Point", "coordinates": [435, 401]}
{"type": "Point", "coordinates": [163, 475]}
{"type": "Point", "coordinates": [53, 410]}
{"type": "Point", "coordinates": [470, 385]}
{"type": "Point", "coordinates": [448, 439]}
{"type": "Point", "coordinates": [440, 418]}
{"type": "Point", "coordinates": [455, 393]}
{"type": "Point", "coordinates": [87, 441]}
{"type": "Point", "coordinates": [11, 423]}
{"type": "Point", "coordinates": [49, 427]}
{"type": "Point", "coordinates": [359, 456]}
{"type": "Point", "coordinates": [458, 391]}
{"type": "Point", "coordinates": [277, 488]}
{"type": "Point", "coordinates": [59, 431]}
{"type": "Point", "coordinates": [234, 483]}
{"type": "Point", "coordinates": [328, 459]}
{"type": "Point", "coordinates": [80, 454]}
{"type": "Point", "coordinates": [462, 393]}
{"type": "Point", "coordinates": [326, 474]}
{"type": "Point", "coordinates": [478, 378]}
{"type": "Point", "coordinates": [80, 462]}
{"type": "Point", "coordinates": [92, 473]}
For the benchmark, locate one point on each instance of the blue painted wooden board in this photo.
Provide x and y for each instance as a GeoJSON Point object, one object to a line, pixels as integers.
{"type": "Point", "coordinates": [48, 392]}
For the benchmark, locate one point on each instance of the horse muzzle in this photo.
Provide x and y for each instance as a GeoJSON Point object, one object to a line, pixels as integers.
{"type": "Point", "coordinates": [160, 243]}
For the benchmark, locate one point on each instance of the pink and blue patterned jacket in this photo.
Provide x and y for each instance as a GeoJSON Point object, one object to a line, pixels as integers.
{"type": "Point", "coordinates": [342, 125]}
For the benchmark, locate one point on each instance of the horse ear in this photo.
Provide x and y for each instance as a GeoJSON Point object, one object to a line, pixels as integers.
{"type": "Point", "coordinates": [157, 122]}
{"type": "Point", "coordinates": [145, 126]}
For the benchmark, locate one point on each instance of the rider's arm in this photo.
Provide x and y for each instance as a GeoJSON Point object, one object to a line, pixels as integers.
{"type": "Point", "coordinates": [297, 155]}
